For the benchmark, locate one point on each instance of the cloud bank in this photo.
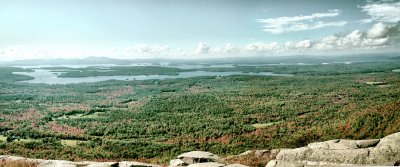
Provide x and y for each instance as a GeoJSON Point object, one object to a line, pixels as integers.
{"type": "Point", "coordinates": [281, 25]}
{"type": "Point", "coordinates": [383, 34]}
{"type": "Point", "coordinates": [382, 12]}
{"type": "Point", "coordinates": [379, 36]}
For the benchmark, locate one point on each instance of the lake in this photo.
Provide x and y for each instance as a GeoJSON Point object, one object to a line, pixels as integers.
{"type": "Point", "coordinates": [48, 77]}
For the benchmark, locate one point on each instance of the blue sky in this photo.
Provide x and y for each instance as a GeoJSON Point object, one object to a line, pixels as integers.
{"type": "Point", "coordinates": [194, 28]}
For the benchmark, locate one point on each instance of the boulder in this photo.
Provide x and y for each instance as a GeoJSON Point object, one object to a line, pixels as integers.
{"type": "Point", "coordinates": [203, 159]}
{"type": "Point", "coordinates": [57, 163]}
{"type": "Point", "coordinates": [12, 158]}
{"type": "Point", "coordinates": [8, 158]}
{"type": "Point", "coordinates": [133, 164]}
{"type": "Point", "coordinates": [61, 163]}
{"type": "Point", "coordinates": [346, 156]}
{"type": "Point", "coordinates": [323, 145]}
{"type": "Point", "coordinates": [387, 151]}
{"type": "Point", "coordinates": [337, 144]}
{"type": "Point", "coordinates": [392, 140]}
{"type": "Point", "coordinates": [342, 152]}
{"type": "Point", "coordinates": [297, 154]}
{"type": "Point", "coordinates": [194, 157]}
{"type": "Point", "coordinates": [367, 143]}
{"type": "Point", "coordinates": [102, 164]}
{"type": "Point", "coordinates": [177, 163]}
{"type": "Point", "coordinates": [207, 164]}
{"type": "Point", "coordinates": [276, 163]}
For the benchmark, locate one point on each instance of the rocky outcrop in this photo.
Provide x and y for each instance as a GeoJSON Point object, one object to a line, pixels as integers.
{"type": "Point", "coordinates": [190, 159]}
{"type": "Point", "coordinates": [200, 159]}
{"type": "Point", "coordinates": [62, 163]}
{"type": "Point", "coordinates": [341, 152]}
{"type": "Point", "coordinates": [194, 157]}
{"type": "Point", "coordinates": [332, 153]}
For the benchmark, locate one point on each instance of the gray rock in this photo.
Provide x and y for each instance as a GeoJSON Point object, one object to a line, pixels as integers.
{"type": "Point", "coordinates": [12, 158]}
{"type": "Point", "coordinates": [296, 154]}
{"type": "Point", "coordinates": [138, 164]}
{"type": "Point", "coordinates": [392, 140]}
{"type": "Point", "coordinates": [278, 163]}
{"type": "Point", "coordinates": [367, 143]}
{"type": "Point", "coordinates": [385, 151]}
{"type": "Point", "coordinates": [194, 157]}
{"type": "Point", "coordinates": [102, 164]}
{"type": "Point", "coordinates": [207, 164]}
{"type": "Point", "coordinates": [336, 144]}
{"type": "Point", "coordinates": [57, 163]}
{"type": "Point", "coordinates": [61, 163]}
{"type": "Point", "coordinates": [177, 163]}
{"type": "Point", "coordinates": [16, 158]}
{"type": "Point", "coordinates": [319, 145]}
{"type": "Point", "coordinates": [344, 144]}
{"type": "Point", "coordinates": [347, 156]}
{"type": "Point", "coordinates": [383, 155]}
{"type": "Point", "coordinates": [272, 163]}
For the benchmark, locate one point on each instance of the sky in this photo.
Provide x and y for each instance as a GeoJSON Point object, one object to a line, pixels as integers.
{"type": "Point", "coordinates": [137, 29]}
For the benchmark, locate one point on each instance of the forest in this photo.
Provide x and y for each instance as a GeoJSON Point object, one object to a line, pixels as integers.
{"type": "Point", "coordinates": [114, 70]}
{"type": "Point", "coordinates": [155, 120]}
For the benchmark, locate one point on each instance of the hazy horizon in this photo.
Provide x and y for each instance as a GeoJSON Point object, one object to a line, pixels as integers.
{"type": "Point", "coordinates": [196, 29]}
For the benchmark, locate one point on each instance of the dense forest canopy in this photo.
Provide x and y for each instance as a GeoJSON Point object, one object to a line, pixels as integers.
{"type": "Point", "coordinates": [154, 120]}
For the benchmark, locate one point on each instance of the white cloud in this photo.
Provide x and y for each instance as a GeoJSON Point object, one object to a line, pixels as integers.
{"type": "Point", "coordinates": [380, 35]}
{"type": "Point", "coordinates": [375, 42]}
{"type": "Point", "coordinates": [229, 48]}
{"type": "Point", "coordinates": [378, 30]}
{"type": "Point", "coordinates": [300, 23]}
{"type": "Point", "coordinates": [261, 47]}
{"type": "Point", "coordinates": [349, 40]}
{"type": "Point", "coordinates": [289, 45]}
{"type": "Point", "coordinates": [303, 44]}
{"type": "Point", "coordinates": [206, 50]}
{"type": "Point", "coordinates": [327, 43]}
{"type": "Point", "coordinates": [321, 24]}
{"type": "Point", "coordinates": [382, 12]}
{"type": "Point", "coordinates": [202, 48]}
{"type": "Point", "coordinates": [147, 49]}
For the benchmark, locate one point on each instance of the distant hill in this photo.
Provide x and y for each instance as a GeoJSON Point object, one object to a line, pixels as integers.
{"type": "Point", "coordinates": [307, 59]}
{"type": "Point", "coordinates": [89, 60]}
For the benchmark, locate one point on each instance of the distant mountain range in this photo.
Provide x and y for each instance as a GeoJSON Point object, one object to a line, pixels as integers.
{"type": "Point", "coordinates": [89, 60]}
{"type": "Point", "coordinates": [307, 59]}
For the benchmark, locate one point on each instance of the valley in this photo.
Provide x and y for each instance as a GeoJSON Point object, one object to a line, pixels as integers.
{"type": "Point", "coordinates": [153, 120]}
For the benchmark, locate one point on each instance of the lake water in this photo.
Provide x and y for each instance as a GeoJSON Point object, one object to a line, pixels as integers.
{"type": "Point", "coordinates": [48, 77]}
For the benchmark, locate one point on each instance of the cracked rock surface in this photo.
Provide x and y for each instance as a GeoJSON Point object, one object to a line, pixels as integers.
{"type": "Point", "coordinates": [341, 152]}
